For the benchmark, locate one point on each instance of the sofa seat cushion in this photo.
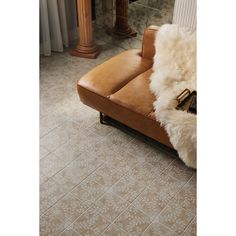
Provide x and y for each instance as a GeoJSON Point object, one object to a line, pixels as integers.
{"type": "Point", "coordinates": [112, 75]}
{"type": "Point", "coordinates": [136, 95]}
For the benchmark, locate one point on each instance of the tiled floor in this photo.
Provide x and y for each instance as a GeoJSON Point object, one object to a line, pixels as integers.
{"type": "Point", "coordinates": [96, 180]}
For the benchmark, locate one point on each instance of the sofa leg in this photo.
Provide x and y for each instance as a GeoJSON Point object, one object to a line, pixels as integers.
{"type": "Point", "coordinates": [104, 119]}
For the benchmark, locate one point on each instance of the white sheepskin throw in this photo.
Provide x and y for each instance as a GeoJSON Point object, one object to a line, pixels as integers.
{"type": "Point", "coordinates": [175, 70]}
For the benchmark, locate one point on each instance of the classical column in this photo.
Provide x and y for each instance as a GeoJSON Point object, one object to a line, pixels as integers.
{"type": "Point", "coordinates": [86, 47]}
{"type": "Point", "coordinates": [122, 28]}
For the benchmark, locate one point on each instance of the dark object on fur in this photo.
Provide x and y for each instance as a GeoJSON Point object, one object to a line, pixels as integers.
{"type": "Point", "coordinates": [193, 104]}
{"type": "Point", "coordinates": [187, 101]}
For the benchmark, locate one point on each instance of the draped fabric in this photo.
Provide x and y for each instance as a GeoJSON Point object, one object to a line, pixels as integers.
{"type": "Point", "coordinates": [58, 25]}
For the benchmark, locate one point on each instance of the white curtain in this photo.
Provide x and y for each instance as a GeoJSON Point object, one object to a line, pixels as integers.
{"type": "Point", "coordinates": [58, 25]}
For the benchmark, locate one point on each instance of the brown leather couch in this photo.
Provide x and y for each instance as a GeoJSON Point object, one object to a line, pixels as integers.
{"type": "Point", "coordinates": [119, 88]}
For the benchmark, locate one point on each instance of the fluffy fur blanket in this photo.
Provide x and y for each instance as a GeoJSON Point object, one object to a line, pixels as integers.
{"type": "Point", "coordinates": [175, 70]}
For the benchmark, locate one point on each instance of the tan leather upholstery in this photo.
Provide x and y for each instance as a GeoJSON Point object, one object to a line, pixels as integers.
{"type": "Point", "coordinates": [113, 74]}
{"type": "Point", "coordinates": [148, 49]}
{"type": "Point", "coordinates": [136, 95]}
{"type": "Point", "coordinates": [139, 122]}
{"type": "Point", "coordinates": [120, 88]}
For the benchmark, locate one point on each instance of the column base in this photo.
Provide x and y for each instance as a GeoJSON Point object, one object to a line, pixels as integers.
{"type": "Point", "coordinates": [86, 52]}
{"type": "Point", "coordinates": [119, 34]}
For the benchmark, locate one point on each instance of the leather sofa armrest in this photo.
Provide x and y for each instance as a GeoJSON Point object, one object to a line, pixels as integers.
{"type": "Point", "coordinates": [148, 49]}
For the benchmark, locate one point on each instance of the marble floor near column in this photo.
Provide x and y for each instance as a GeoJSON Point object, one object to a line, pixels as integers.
{"type": "Point", "coordinates": [97, 180]}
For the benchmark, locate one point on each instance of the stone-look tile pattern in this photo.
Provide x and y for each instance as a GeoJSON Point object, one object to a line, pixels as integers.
{"type": "Point", "coordinates": [69, 232]}
{"type": "Point", "coordinates": [156, 196]}
{"type": "Point", "coordinates": [89, 190]}
{"type": "Point", "coordinates": [111, 205]}
{"type": "Point", "coordinates": [133, 221]}
{"type": "Point", "coordinates": [191, 230]}
{"type": "Point", "coordinates": [97, 180]}
{"type": "Point", "coordinates": [90, 223]}
{"type": "Point", "coordinates": [113, 230]}
{"type": "Point", "coordinates": [175, 217]}
{"type": "Point", "coordinates": [156, 229]}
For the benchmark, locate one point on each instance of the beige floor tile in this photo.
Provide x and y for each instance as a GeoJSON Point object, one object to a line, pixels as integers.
{"type": "Point", "coordinates": [156, 229]}
{"type": "Point", "coordinates": [100, 151]}
{"type": "Point", "coordinates": [165, 187]}
{"type": "Point", "coordinates": [85, 119]}
{"type": "Point", "coordinates": [43, 178]}
{"type": "Point", "coordinates": [175, 218]}
{"type": "Point", "coordinates": [191, 230]}
{"type": "Point", "coordinates": [187, 197]}
{"type": "Point", "coordinates": [85, 140]}
{"type": "Point", "coordinates": [118, 139]}
{"type": "Point", "coordinates": [138, 148]}
{"type": "Point", "coordinates": [103, 149]}
{"type": "Point", "coordinates": [53, 140]}
{"type": "Point", "coordinates": [133, 221]}
{"type": "Point", "coordinates": [49, 194]}
{"type": "Point", "coordinates": [68, 151]}
{"type": "Point", "coordinates": [111, 205]}
{"type": "Point", "coordinates": [68, 207]}
{"type": "Point", "coordinates": [44, 130]}
{"type": "Point", "coordinates": [69, 232]}
{"type": "Point", "coordinates": [90, 223]}
{"type": "Point", "coordinates": [60, 135]}
{"type": "Point", "coordinates": [89, 191]}
{"type": "Point", "coordinates": [81, 167]}
{"type": "Point", "coordinates": [128, 188]}
{"type": "Point", "coordinates": [159, 160]}
{"type": "Point", "coordinates": [51, 225]}
{"type": "Point", "coordinates": [113, 230]}
{"type": "Point", "coordinates": [107, 175]}
{"type": "Point", "coordinates": [144, 173]}
{"type": "Point", "coordinates": [43, 152]}
{"type": "Point", "coordinates": [180, 171]}
{"type": "Point", "coordinates": [51, 164]}
{"type": "Point", "coordinates": [123, 161]}
{"type": "Point", "coordinates": [150, 202]}
{"type": "Point", "coordinates": [52, 121]}
{"type": "Point", "coordinates": [52, 190]}
{"type": "Point", "coordinates": [100, 129]}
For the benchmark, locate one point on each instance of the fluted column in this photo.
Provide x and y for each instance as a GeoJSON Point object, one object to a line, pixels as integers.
{"type": "Point", "coordinates": [86, 47]}
{"type": "Point", "coordinates": [122, 28]}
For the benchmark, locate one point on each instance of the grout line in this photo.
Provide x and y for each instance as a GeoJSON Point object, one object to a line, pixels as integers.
{"type": "Point", "coordinates": [94, 202]}
{"type": "Point", "coordinates": [67, 164]}
{"type": "Point", "coordinates": [125, 209]}
{"type": "Point", "coordinates": [100, 140]}
{"type": "Point", "coordinates": [159, 224]}
{"type": "Point", "coordinates": [58, 125]}
{"type": "Point", "coordinates": [188, 225]}
{"type": "Point", "coordinates": [70, 191]}
{"type": "Point", "coordinates": [155, 218]}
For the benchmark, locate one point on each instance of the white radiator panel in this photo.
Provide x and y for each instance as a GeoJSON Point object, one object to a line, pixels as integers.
{"type": "Point", "coordinates": [185, 13]}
